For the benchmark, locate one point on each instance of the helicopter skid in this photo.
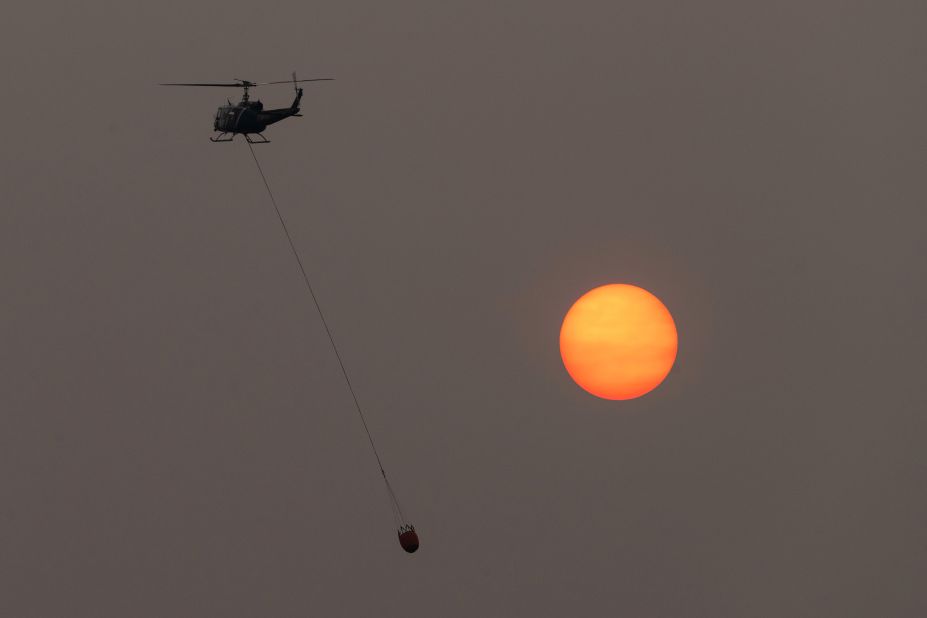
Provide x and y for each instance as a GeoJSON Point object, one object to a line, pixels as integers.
{"type": "Point", "coordinates": [231, 136]}
{"type": "Point", "coordinates": [264, 140]}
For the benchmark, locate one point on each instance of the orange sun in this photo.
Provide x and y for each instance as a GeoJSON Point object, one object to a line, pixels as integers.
{"type": "Point", "coordinates": [618, 341]}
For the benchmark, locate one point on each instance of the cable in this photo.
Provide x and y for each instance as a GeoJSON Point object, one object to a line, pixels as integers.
{"type": "Point", "coordinates": [331, 338]}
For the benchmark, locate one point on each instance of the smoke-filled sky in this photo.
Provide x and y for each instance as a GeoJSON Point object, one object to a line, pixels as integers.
{"type": "Point", "coordinates": [177, 438]}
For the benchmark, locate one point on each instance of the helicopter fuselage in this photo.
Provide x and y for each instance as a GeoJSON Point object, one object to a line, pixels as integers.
{"type": "Point", "coordinates": [250, 116]}
{"type": "Point", "coordinates": [246, 118]}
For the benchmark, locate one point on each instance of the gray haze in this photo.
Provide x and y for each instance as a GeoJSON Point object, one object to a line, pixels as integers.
{"type": "Point", "coordinates": [177, 439]}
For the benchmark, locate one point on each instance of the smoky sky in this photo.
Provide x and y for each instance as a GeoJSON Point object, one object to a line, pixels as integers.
{"type": "Point", "coordinates": [177, 438]}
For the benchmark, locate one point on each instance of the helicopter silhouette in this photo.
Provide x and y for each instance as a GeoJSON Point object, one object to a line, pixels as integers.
{"type": "Point", "coordinates": [249, 117]}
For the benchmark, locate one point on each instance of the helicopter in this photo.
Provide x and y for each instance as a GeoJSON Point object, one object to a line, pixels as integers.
{"type": "Point", "coordinates": [249, 117]}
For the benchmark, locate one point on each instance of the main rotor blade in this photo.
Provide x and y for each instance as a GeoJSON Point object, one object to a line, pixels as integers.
{"type": "Point", "coordinates": [291, 81]}
{"type": "Point", "coordinates": [246, 84]}
{"type": "Point", "coordinates": [218, 85]}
